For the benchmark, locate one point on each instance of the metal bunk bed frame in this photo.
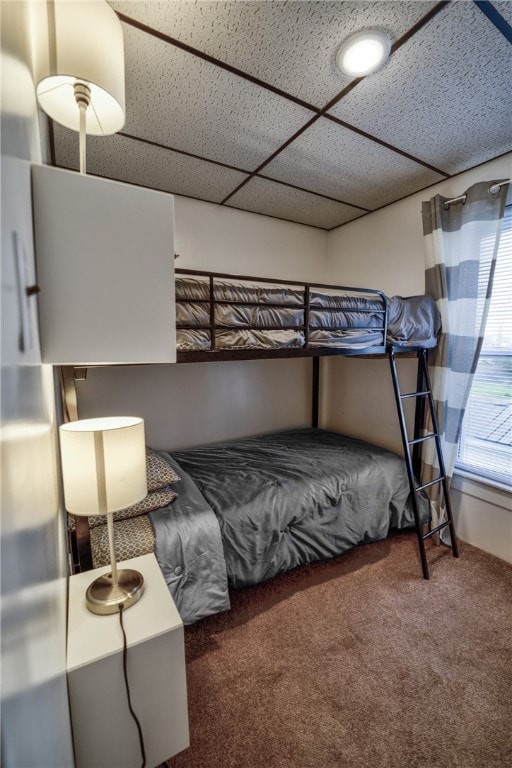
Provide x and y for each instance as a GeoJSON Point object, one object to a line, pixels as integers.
{"type": "Point", "coordinates": [412, 446]}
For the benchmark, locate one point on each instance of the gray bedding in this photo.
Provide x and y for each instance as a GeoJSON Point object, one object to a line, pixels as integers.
{"type": "Point", "coordinates": [413, 321]}
{"type": "Point", "coordinates": [188, 548]}
{"type": "Point", "coordinates": [253, 508]}
{"type": "Point", "coordinates": [268, 316]}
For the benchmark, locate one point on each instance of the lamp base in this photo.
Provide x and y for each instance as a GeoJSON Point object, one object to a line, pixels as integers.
{"type": "Point", "coordinates": [103, 597]}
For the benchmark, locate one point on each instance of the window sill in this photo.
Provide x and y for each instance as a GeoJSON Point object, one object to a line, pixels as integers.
{"type": "Point", "coordinates": [482, 488]}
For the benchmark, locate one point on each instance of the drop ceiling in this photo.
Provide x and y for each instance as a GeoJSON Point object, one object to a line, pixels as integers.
{"type": "Point", "coordinates": [240, 103]}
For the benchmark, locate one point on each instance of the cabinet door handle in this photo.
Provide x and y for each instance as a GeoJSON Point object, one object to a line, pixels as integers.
{"type": "Point", "coordinates": [20, 269]}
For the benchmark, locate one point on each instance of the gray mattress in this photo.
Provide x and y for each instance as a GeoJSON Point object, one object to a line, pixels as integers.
{"type": "Point", "coordinates": [250, 509]}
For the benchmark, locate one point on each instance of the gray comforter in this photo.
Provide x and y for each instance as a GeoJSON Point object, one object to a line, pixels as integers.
{"type": "Point", "coordinates": [188, 548]}
{"type": "Point", "coordinates": [252, 508]}
{"type": "Point", "coordinates": [252, 316]}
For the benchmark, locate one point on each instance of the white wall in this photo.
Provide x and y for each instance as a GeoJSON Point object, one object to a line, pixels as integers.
{"type": "Point", "coordinates": [483, 516]}
{"type": "Point", "coordinates": [385, 250]}
{"type": "Point", "coordinates": [221, 239]}
{"type": "Point", "coordinates": [35, 714]}
{"type": "Point", "coordinates": [199, 403]}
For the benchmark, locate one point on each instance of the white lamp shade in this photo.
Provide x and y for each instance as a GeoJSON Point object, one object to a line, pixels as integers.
{"type": "Point", "coordinates": [86, 46]}
{"type": "Point", "coordinates": [103, 464]}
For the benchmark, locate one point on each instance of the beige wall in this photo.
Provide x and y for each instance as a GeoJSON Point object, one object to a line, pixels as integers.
{"type": "Point", "coordinates": [221, 239]}
{"type": "Point", "coordinates": [200, 403]}
{"type": "Point", "coordinates": [386, 247]}
{"type": "Point", "coordinates": [483, 516]}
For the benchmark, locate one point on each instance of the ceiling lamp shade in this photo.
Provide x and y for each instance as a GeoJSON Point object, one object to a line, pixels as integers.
{"type": "Point", "coordinates": [85, 48]}
{"type": "Point", "coordinates": [363, 53]}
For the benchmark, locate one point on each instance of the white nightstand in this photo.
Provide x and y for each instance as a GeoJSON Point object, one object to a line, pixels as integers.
{"type": "Point", "coordinates": [104, 733]}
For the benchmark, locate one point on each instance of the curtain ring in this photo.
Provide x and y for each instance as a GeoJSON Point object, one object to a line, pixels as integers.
{"type": "Point", "coordinates": [495, 188]}
{"type": "Point", "coordinates": [460, 199]}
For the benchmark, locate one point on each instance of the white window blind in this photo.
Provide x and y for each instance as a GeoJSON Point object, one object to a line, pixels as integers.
{"type": "Point", "coordinates": [485, 446]}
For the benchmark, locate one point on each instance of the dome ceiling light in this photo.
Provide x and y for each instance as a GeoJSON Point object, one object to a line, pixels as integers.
{"type": "Point", "coordinates": [363, 53]}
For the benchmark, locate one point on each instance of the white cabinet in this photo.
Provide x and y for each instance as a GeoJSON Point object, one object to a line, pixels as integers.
{"type": "Point", "coordinates": [105, 267]}
{"type": "Point", "coordinates": [104, 734]}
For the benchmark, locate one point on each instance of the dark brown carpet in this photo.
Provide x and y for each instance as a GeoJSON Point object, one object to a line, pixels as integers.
{"type": "Point", "coordinates": [358, 663]}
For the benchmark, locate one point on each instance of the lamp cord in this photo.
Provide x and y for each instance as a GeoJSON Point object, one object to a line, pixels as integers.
{"type": "Point", "coordinates": [127, 686]}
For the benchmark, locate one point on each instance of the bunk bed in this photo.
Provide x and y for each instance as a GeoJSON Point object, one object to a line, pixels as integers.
{"type": "Point", "coordinates": [237, 513]}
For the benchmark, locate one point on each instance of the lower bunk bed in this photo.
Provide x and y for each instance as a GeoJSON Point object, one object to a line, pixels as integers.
{"type": "Point", "coordinates": [237, 513]}
{"type": "Point", "coordinates": [243, 511]}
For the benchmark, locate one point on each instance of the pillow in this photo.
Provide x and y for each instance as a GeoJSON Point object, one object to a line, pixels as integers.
{"type": "Point", "coordinates": [133, 538]}
{"type": "Point", "coordinates": [154, 500]}
{"type": "Point", "coordinates": [159, 473]}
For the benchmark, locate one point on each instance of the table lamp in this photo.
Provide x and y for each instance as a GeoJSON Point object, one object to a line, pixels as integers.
{"type": "Point", "coordinates": [80, 80]}
{"type": "Point", "coordinates": [104, 469]}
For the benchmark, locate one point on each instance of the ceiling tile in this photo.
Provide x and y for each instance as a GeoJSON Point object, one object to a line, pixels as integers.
{"type": "Point", "coordinates": [273, 199]}
{"type": "Point", "coordinates": [183, 102]}
{"type": "Point", "coordinates": [332, 160]}
{"type": "Point", "coordinates": [290, 45]}
{"type": "Point", "coordinates": [455, 110]}
{"type": "Point", "coordinates": [504, 7]}
{"type": "Point", "coordinates": [123, 159]}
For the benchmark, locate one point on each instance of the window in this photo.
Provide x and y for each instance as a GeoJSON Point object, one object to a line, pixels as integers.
{"type": "Point", "coordinates": [485, 446]}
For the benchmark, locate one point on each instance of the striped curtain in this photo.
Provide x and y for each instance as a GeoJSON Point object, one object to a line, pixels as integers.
{"type": "Point", "coordinates": [461, 239]}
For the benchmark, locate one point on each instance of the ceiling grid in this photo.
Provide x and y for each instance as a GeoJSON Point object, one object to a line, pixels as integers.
{"type": "Point", "coordinates": [241, 104]}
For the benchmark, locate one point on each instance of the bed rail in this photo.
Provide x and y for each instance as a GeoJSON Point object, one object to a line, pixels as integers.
{"type": "Point", "coordinates": [307, 306]}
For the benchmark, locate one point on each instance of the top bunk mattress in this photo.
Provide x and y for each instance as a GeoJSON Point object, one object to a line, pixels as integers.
{"type": "Point", "coordinates": [214, 313]}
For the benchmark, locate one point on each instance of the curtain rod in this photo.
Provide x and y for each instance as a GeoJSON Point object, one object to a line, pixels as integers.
{"type": "Point", "coordinates": [493, 189]}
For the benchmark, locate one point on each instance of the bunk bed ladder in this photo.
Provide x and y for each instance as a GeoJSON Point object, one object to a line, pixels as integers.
{"type": "Point", "coordinates": [412, 451]}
